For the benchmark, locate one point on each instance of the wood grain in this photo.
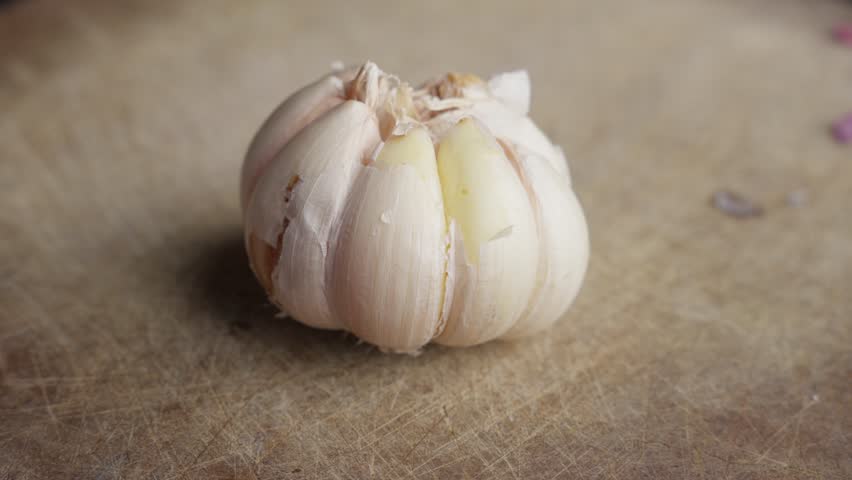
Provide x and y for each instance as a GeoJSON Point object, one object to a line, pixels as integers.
{"type": "Point", "coordinates": [134, 342]}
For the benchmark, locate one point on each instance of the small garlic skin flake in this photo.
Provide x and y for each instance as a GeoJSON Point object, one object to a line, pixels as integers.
{"type": "Point", "coordinates": [413, 215]}
{"type": "Point", "coordinates": [841, 129]}
{"type": "Point", "coordinates": [843, 34]}
{"type": "Point", "coordinates": [735, 205]}
{"type": "Point", "coordinates": [797, 198]}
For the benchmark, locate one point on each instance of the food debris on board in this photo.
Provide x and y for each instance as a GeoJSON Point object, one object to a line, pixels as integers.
{"type": "Point", "coordinates": [735, 205]}
{"type": "Point", "coordinates": [841, 129]}
{"type": "Point", "coordinates": [843, 34]}
{"type": "Point", "coordinates": [797, 198]}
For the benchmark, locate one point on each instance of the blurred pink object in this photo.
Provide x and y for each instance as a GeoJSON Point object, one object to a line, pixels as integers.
{"type": "Point", "coordinates": [842, 129]}
{"type": "Point", "coordinates": [843, 34]}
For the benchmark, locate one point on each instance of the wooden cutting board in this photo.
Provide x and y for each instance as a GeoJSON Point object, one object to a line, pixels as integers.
{"type": "Point", "coordinates": [134, 342]}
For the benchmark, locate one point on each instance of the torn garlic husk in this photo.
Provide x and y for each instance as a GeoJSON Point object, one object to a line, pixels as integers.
{"type": "Point", "coordinates": [408, 215]}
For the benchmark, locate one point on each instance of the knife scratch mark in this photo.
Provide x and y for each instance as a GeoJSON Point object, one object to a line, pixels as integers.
{"type": "Point", "coordinates": [431, 428]}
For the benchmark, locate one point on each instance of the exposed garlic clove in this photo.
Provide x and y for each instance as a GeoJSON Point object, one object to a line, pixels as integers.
{"type": "Point", "coordinates": [497, 250]}
{"type": "Point", "coordinates": [298, 200]}
{"type": "Point", "coordinates": [563, 243]}
{"type": "Point", "coordinates": [387, 279]}
{"type": "Point", "coordinates": [502, 105]}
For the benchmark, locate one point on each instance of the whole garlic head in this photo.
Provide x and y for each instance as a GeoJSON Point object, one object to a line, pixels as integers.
{"type": "Point", "coordinates": [407, 215]}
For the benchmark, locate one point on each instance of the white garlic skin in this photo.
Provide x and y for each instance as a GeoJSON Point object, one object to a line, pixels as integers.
{"type": "Point", "coordinates": [410, 215]}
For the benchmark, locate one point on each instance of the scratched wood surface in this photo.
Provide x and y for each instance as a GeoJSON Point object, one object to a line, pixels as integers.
{"type": "Point", "coordinates": [134, 342]}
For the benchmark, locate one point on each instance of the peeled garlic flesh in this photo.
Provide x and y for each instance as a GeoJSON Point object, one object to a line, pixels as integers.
{"type": "Point", "coordinates": [407, 215]}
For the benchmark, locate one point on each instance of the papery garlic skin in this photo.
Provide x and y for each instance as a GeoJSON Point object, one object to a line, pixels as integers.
{"type": "Point", "coordinates": [297, 203]}
{"type": "Point", "coordinates": [410, 215]}
{"type": "Point", "coordinates": [563, 238]}
{"type": "Point", "coordinates": [296, 112]}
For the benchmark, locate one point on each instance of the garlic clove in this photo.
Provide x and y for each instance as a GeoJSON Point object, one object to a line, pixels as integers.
{"type": "Point", "coordinates": [297, 111]}
{"type": "Point", "coordinates": [297, 202]}
{"type": "Point", "coordinates": [387, 276]}
{"type": "Point", "coordinates": [413, 148]}
{"type": "Point", "coordinates": [564, 243]}
{"type": "Point", "coordinates": [495, 249]}
{"type": "Point", "coordinates": [499, 110]}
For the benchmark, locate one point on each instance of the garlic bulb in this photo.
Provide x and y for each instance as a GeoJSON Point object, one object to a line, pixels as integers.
{"type": "Point", "coordinates": [409, 215]}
